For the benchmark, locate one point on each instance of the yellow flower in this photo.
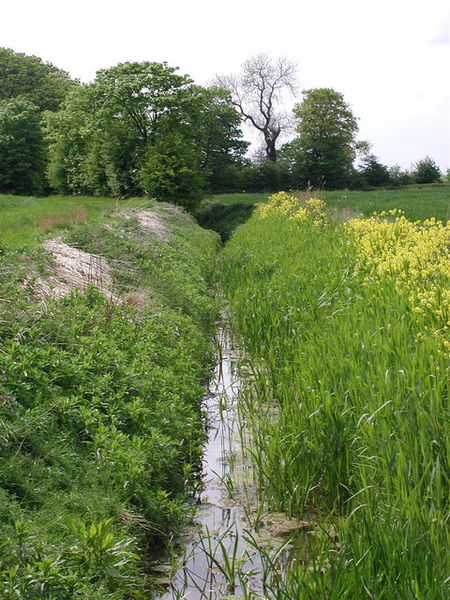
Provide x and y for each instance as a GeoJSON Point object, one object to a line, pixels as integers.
{"type": "Point", "coordinates": [293, 208]}
{"type": "Point", "coordinates": [415, 255]}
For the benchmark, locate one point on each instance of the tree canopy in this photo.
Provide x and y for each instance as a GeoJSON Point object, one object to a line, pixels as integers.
{"type": "Point", "coordinates": [145, 128]}
{"type": "Point", "coordinates": [426, 171]}
{"type": "Point", "coordinates": [324, 149]}
{"type": "Point", "coordinates": [22, 148]}
{"type": "Point", "coordinates": [142, 128]}
{"type": "Point", "coordinates": [29, 78]}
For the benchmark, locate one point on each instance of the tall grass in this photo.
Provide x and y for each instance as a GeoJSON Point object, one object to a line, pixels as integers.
{"type": "Point", "coordinates": [417, 202]}
{"type": "Point", "coordinates": [348, 411]}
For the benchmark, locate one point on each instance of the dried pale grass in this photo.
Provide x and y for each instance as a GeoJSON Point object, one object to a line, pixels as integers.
{"type": "Point", "coordinates": [151, 221]}
{"type": "Point", "coordinates": [74, 268]}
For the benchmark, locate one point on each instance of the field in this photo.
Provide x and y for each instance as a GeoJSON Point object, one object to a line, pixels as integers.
{"type": "Point", "coordinates": [24, 221]}
{"type": "Point", "coordinates": [346, 332]}
{"type": "Point", "coordinates": [224, 212]}
{"type": "Point", "coordinates": [344, 326]}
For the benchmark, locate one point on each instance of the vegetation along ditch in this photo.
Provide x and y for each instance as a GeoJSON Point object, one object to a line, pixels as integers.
{"type": "Point", "coordinates": [322, 431]}
{"type": "Point", "coordinates": [104, 356]}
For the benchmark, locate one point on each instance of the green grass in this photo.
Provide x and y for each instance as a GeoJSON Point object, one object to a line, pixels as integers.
{"type": "Point", "coordinates": [224, 212]}
{"type": "Point", "coordinates": [418, 202]}
{"type": "Point", "coordinates": [348, 413]}
{"type": "Point", "coordinates": [100, 422]}
{"type": "Point", "coordinates": [27, 220]}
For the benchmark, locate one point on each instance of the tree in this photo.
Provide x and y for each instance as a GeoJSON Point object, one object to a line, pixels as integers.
{"type": "Point", "coordinates": [216, 128]}
{"type": "Point", "coordinates": [70, 133]}
{"type": "Point", "coordinates": [146, 95]}
{"type": "Point", "coordinates": [28, 88]}
{"type": "Point", "coordinates": [426, 171]}
{"type": "Point", "coordinates": [22, 148]}
{"type": "Point", "coordinates": [101, 138]}
{"type": "Point", "coordinates": [399, 176]}
{"type": "Point", "coordinates": [257, 93]}
{"type": "Point", "coordinates": [324, 151]}
{"type": "Point", "coordinates": [139, 116]}
{"type": "Point", "coordinates": [171, 172]}
{"type": "Point", "coordinates": [28, 78]}
{"type": "Point", "coordinates": [375, 173]}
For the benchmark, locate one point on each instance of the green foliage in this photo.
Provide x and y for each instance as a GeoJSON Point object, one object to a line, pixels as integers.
{"type": "Point", "coordinates": [323, 152]}
{"type": "Point", "coordinates": [399, 176]}
{"type": "Point", "coordinates": [171, 172]}
{"type": "Point", "coordinates": [28, 78]}
{"type": "Point", "coordinates": [99, 411]}
{"type": "Point", "coordinates": [219, 136]}
{"type": "Point", "coordinates": [142, 127]}
{"type": "Point", "coordinates": [144, 95]}
{"type": "Point", "coordinates": [22, 148]}
{"type": "Point", "coordinates": [374, 173]}
{"type": "Point", "coordinates": [88, 154]}
{"type": "Point", "coordinates": [426, 171]}
{"type": "Point", "coordinates": [347, 413]}
{"type": "Point", "coordinates": [28, 87]}
{"type": "Point", "coordinates": [265, 176]}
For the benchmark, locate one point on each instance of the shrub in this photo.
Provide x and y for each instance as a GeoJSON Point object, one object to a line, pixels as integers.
{"type": "Point", "coordinates": [426, 171]}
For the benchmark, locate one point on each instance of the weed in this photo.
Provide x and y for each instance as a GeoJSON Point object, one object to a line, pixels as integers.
{"type": "Point", "coordinates": [100, 425]}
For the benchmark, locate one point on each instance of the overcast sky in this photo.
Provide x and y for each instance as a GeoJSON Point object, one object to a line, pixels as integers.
{"type": "Point", "coordinates": [390, 58]}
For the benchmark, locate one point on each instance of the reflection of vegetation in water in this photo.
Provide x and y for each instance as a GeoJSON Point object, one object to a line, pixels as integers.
{"type": "Point", "coordinates": [348, 414]}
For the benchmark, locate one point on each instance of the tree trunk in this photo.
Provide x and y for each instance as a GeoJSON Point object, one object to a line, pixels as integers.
{"type": "Point", "coordinates": [271, 152]}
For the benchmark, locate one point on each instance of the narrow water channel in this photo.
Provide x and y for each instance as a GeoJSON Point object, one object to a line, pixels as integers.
{"type": "Point", "coordinates": [217, 561]}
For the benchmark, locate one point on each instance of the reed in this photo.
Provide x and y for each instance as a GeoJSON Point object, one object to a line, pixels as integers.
{"type": "Point", "coordinates": [348, 406]}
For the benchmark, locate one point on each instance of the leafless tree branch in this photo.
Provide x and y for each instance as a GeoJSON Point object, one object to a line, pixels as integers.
{"type": "Point", "coordinates": [257, 94]}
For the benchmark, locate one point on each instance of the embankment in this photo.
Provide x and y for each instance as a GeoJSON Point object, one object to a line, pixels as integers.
{"type": "Point", "coordinates": [104, 354]}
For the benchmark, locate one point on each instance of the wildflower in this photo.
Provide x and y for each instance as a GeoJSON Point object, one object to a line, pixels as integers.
{"type": "Point", "coordinates": [416, 256]}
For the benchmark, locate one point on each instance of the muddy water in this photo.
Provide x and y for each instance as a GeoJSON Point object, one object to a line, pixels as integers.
{"type": "Point", "coordinates": [217, 560]}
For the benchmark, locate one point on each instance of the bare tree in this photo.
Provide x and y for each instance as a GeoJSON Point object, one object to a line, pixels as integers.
{"type": "Point", "coordinates": [257, 92]}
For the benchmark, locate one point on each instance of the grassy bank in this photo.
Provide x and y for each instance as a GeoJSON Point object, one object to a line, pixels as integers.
{"type": "Point", "coordinates": [346, 332]}
{"type": "Point", "coordinates": [100, 425]}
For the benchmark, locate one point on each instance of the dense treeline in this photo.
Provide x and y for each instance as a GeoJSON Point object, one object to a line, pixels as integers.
{"type": "Point", "coordinates": [143, 128]}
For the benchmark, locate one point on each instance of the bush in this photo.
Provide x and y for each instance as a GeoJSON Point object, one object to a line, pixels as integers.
{"type": "Point", "coordinates": [172, 173]}
{"type": "Point", "coordinates": [426, 171]}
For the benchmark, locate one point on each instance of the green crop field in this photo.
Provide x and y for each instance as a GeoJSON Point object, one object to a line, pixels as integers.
{"type": "Point", "coordinates": [224, 212]}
